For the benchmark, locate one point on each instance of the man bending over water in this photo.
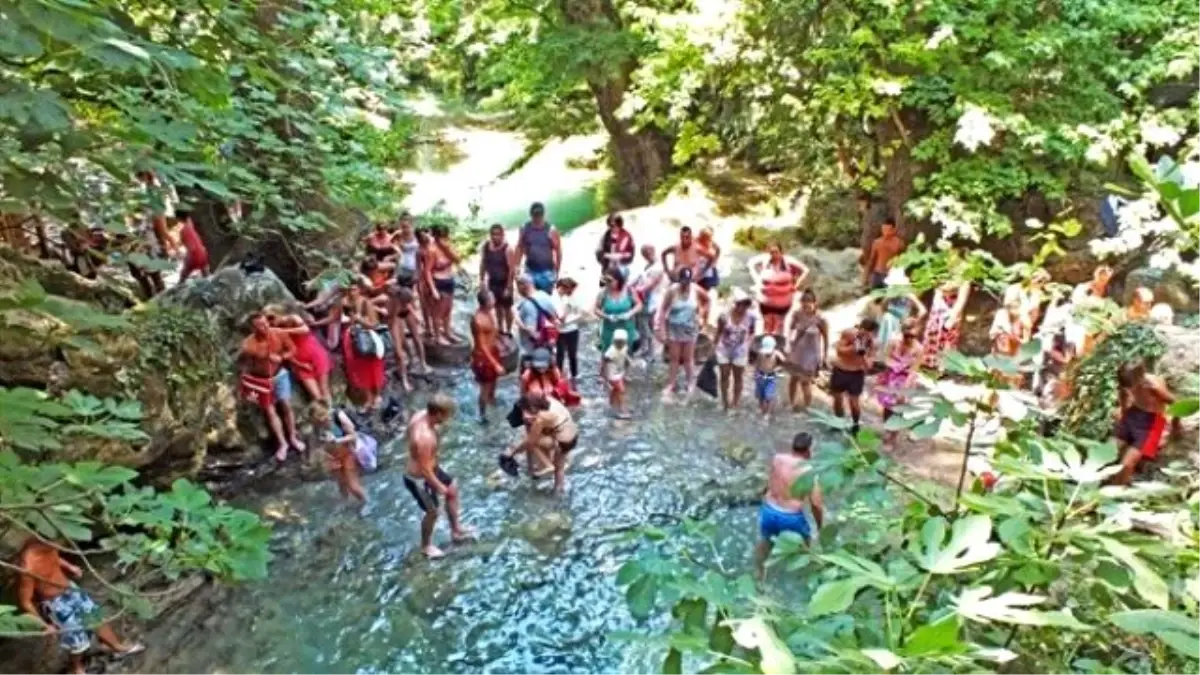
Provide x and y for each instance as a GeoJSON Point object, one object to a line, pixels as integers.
{"type": "Point", "coordinates": [434, 482]}
{"type": "Point", "coordinates": [780, 511]}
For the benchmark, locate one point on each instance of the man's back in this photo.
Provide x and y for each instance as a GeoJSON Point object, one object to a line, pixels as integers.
{"type": "Point", "coordinates": [785, 469]}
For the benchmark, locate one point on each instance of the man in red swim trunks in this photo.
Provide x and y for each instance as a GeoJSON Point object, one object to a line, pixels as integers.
{"type": "Point", "coordinates": [195, 258]}
{"type": "Point", "coordinates": [1143, 421]}
{"type": "Point", "coordinates": [266, 382]}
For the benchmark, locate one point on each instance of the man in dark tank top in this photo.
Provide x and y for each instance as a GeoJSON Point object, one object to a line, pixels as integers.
{"type": "Point", "coordinates": [496, 274]}
{"type": "Point", "coordinates": [540, 248]}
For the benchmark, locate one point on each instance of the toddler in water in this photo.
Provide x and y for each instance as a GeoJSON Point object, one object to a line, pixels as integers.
{"type": "Point", "coordinates": [766, 374]}
{"type": "Point", "coordinates": [612, 370]}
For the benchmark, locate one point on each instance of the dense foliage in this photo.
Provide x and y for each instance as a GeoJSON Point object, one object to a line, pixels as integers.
{"type": "Point", "coordinates": [1049, 571]}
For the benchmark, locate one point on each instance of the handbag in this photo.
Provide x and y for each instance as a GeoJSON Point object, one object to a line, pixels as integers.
{"type": "Point", "coordinates": [367, 342]}
{"type": "Point", "coordinates": [366, 452]}
{"type": "Point", "coordinates": [516, 418]}
{"type": "Point", "coordinates": [706, 381]}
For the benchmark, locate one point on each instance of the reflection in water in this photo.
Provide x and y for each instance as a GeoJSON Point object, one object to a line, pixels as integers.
{"type": "Point", "coordinates": [535, 593]}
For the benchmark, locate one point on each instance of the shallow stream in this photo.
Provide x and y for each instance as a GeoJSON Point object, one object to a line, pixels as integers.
{"type": "Point", "coordinates": [535, 593]}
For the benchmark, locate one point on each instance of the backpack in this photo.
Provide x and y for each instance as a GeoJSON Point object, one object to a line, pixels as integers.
{"type": "Point", "coordinates": [367, 342]}
{"type": "Point", "coordinates": [547, 326]}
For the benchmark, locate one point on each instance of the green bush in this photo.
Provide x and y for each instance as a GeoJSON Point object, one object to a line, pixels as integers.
{"type": "Point", "coordinates": [1089, 412]}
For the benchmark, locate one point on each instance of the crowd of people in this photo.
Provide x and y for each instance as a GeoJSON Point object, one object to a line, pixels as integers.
{"type": "Point", "coordinates": [401, 301]}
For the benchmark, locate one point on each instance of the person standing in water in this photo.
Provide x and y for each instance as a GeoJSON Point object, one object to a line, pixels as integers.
{"type": "Point", "coordinates": [766, 375]}
{"type": "Point", "coordinates": [66, 609]}
{"type": "Point", "coordinates": [648, 286]}
{"type": "Point", "coordinates": [878, 260]}
{"type": "Point", "coordinates": [776, 277]}
{"type": "Point", "coordinates": [678, 323]}
{"type": "Point", "coordinates": [853, 354]}
{"type": "Point", "coordinates": [735, 332]}
{"type": "Point", "coordinates": [900, 357]}
{"type": "Point", "coordinates": [341, 438]}
{"type": "Point", "coordinates": [424, 477]}
{"type": "Point", "coordinates": [569, 314]}
{"type": "Point", "coordinates": [616, 306]}
{"type": "Point", "coordinates": [485, 352]}
{"type": "Point", "coordinates": [536, 319]}
{"type": "Point", "coordinates": [808, 343]}
{"type": "Point", "coordinates": [266, 381]}
{"type": "Point", "coordinates": [496, 275]}
{"type": "Point", "coordinates": [781, 512]}
{"type": "Point", "coordinates": [541, 249]}
{"type": "Point", "coordinates": [613, 367]}
{"type": "Point", "coordinates": [1143, 399]}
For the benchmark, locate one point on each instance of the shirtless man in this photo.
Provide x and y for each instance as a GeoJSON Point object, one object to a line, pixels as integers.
{"type": "Point", "coordinates": [853, 355]}
{"type": "Point", "coordinates": [266, 382]}
{"type": "Point", "coordinates": [65, 608]}
{"type": "Point", "coordinates": [551, 434]}
{"type": "Point", "coordinates": [781, 511]}
{"type": "Point", "coordinates": [686, 254]}
{"type": "Point", "coordinates": [425, 479]}
{"type": "Point", "coordinates": [1143, 402]}
{"type": "Point", "coordinates": [879, 259]}
{"type": "Point", "coordinates": [485, 355]}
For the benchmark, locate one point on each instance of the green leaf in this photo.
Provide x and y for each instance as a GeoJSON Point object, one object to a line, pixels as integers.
{"type": "Point", "coordinates": [673, 664]}
{"type": "Point", "coordinates": [640, 597]}
{"type": "Point", "coordinates": [833, 597]}
{"type": "Point", "coordinates": [1015, 533]}
{"type": "Point", "coordinates": [720, 639]}
{"type": "Point", "coordinates": [969, 544]}
{"type": "Point", "coordinates": [978, 604]}
{"type": "Point", "coordinates": [883, 658]}
{"type": "Point", "coordinates": [629, 572]}
{"type": "Point", "coordinates": [935, 638]}
{"type": "Point", "coordinates": [1176, 630]}
{"type": "Point", "coordinates": [128, 48]}
{"type": "Point", "coordinates": [1146, 581]}
{"type": "Point", "coordinates": [1184, 407]}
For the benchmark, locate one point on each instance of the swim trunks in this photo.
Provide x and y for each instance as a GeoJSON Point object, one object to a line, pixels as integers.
{"type": "Point", "coordinates": [426, 496]}
{"type": "Point", "coordinates": [847, 381]}
{"type": "Point", "coordinates": [764, 386]}
{"type": "Point", "coordinates": [772, 522]}
{"type": "Point", "coordinates": [1143, 430]}
{"type": "Point", "coordinates": [69, 612]}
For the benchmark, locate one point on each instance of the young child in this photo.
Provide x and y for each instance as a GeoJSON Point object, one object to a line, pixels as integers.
{"type": "Point", "coordinates": [612, 370]}
{"type": "Point", "coordinates": [766, 372]}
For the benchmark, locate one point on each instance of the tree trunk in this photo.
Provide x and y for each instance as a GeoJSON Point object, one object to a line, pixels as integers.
{"type": "Point", "coordinates": [641, 157]}
{"type": "Point", "coordinates": [900, 132]}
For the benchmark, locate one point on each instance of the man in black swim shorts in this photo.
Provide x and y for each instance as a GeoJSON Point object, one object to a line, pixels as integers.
{"type": "Point", "coordinates": [853, 354]}
{"type": "Point", "coordinates": [425, 479]}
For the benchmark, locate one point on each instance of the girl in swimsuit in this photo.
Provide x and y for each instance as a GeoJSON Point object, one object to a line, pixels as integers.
{"type": "Point", "coordinates": [366, 374]}
{"type": "Point", "coordinates": [442, 268]}
{"type": "Point", "coordinates": [403, 324]}
{"type": "Point", "coordinates": [379, 244]}
{"type": "Point", "coordinates": [777, 277]}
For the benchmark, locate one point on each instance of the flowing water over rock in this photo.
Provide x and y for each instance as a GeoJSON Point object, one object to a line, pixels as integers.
{"type": "Point", "coordinates": [535, 593]}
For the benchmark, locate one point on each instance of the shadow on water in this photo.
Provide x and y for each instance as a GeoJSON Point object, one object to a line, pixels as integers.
{"type": "Point", "coordinates": [535, 593]}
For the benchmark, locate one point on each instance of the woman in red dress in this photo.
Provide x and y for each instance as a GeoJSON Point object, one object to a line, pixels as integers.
{"type": "Point", "coordinates": [366, 372]}
{"type": "Point", "coordinates": [310, 363]}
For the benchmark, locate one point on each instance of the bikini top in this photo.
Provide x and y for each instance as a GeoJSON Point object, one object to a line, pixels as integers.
{"type": "Point", "coordinates": [379, 251]}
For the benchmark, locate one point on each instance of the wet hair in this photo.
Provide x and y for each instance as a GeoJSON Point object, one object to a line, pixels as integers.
{"type": "Point", "coordinates": [808, 295]}
{"type": "Point", "coordinates": [534, 403]}
{"type": "Point", "coordinates": [441, 404]}
{"type": "Point", "coordinates": [496, 227]}
{"type": "Point", "coordinates": [1130, 372]}
{"type": "Point", "coordinates": [484, 296]}
{"type": "Point", "coordinates": [802, 443]}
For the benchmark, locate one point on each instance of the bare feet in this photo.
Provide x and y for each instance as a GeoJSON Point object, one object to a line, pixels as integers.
{"type": "Point", "coordinates": [463, 534]}
{"type": "Point", "coordinates": [129, 650]}
{"type": "Point", "coordinates": [298, 444]}
{"type": "Point", "coordinates": [544, 471]}
{"type": "Point", "coordinates": [433, 552]}
{"type": "Point", "coordinates": [667, 396]}
{"type": "Point", "coordinates": [281, 452]}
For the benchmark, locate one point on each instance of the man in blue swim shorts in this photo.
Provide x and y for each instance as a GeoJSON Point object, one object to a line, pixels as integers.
{"type": "Point", "coordinates": [780, 511]}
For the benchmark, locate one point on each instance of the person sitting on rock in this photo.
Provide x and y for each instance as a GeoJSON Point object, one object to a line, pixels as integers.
{"type": "Point", "coordinates": [265, 380]}
{"type": "Point", "coordinates": [65, 608]}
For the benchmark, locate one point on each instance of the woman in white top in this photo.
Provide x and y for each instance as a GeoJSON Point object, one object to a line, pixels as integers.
{"type": "Point", "coordinates": [569, 313]}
